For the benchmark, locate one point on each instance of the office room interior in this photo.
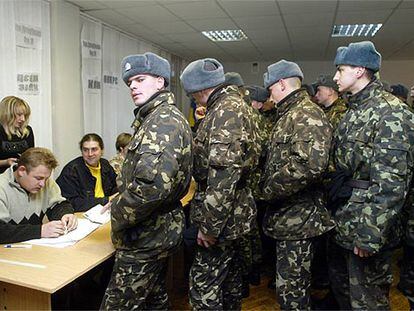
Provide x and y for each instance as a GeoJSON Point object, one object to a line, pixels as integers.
{"type": "Point", "coordinates": [64, 56]}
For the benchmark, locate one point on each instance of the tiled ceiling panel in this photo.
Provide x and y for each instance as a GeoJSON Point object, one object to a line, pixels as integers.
{"type": "Point", "coordinates": [289, 29]}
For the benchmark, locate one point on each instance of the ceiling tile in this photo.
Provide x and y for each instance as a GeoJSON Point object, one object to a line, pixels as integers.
{"type": "Point", "coordinates": [310, 7]}
{"type": "Point", "coordinates": [88, 4]}
{"type": "Point", "coordinates": [212, 24]}
{"type": "Point", "coordinates": [362, 17]}
{"type": "Point", "coordinates": [171, 27]}
{"type": "Point", "coordinates": [309, 20]}
{"type": "Point", "coordinates": [402, 16]}
{"type": "Point", "coordinates": [194, 38]}
{"type": "Point", "coordinates": [367, 5]}
{"type": "Point", "coordinates": [259, 22]}
{"type": "Point", "coordinates": [111, 17]}
{"type": "Point", "coordinates": [120, 4]}
{"type": "Point", "coordinates": [193, 10]}
{"type": "Point", "coordinates": [407, 4]}
{"type": "Point", "coordinates": [246, 9]}
{"type": "Point", "coordinates": [149, 14]}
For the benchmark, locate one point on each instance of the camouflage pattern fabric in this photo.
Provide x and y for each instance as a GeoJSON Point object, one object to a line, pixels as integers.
{"type": "Point", "coordinates": [360, 283]}
{"type": "Point", "coordinates": [116, 163]}
{"type": "Point", "coordinates": [146, 216]}
{"type": "Point", "coordinates": [297, 156]}
{"type": "Point", "coordinates": [226, 151]}
{"type": "Point", "coordinates": [293, 274]}
{"type": "Point", "coordinates": [136, 285]}
{"type": "Point", "coordinates": [335, 112]}
{"type": "Point", "coordinates": [374, 143]}
{"type": "Point", "coordinates": [215, 277]}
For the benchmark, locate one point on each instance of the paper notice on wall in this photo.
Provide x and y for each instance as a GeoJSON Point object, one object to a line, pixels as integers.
{"type": "Point", "coordinates": [111, 80]}
{"type": "Point", "coordinates": [93, 85]}
{"type": "Point", "coordinates": [91, 49]}
{"type": "Point", "coordinates": [28, 36]}
{"type": "Point", "coordinates": [28, 83]}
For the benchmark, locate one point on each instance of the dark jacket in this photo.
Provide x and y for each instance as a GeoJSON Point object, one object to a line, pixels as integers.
{"type": "Point", "coordinates": [78, 184]}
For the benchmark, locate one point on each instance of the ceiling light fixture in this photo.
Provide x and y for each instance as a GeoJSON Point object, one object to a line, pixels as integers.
{"type": "Point", "coordinates": [356, 30]}
{"type": "Point", "coordinates": [225, 35]}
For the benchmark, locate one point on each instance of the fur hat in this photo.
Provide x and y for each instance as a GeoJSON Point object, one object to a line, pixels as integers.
{"type": "Point", "coordinates": [326, 80]}
{"type": "Point", "coordinates": [234, 78]}
{"type": "Point", "coordinates": [148, 63]}
{"type": "Point", "coordinates": [281, 70]}
{"type": "Point", "coordinates": [361, 54]}
{"type": "Point", "coordinates": [258, 93]}
{"type": "Point", "coordinates": [202, 74]}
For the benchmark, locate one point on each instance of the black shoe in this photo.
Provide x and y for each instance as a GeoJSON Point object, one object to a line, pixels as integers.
{"type": "Point", "coordinates": [245, 288]}
{"type": "Point", "coordinates": [254, 277]}
{"type": "Point", "coordinates": [326, 303]}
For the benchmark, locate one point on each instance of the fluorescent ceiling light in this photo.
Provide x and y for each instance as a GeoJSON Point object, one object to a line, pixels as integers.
{"type": "Point", "coordinates": [357, 30]}
{"type": "Point", "coordinates": [225, 35]}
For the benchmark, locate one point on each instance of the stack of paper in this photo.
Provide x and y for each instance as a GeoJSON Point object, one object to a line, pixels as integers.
{"type": "Point", "coordinates": [95, 215]}
{"type": "Point", "coordinates": [84, 228]}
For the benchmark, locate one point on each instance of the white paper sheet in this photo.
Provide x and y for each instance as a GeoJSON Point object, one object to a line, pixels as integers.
{"type": "Point", "coordinates": [94, 215]}
{"type": "Point", "coordinates": [85, 227]}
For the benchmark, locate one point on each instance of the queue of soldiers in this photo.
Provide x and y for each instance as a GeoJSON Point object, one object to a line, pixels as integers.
{"type": "Point", "coordinates": [332, 172]}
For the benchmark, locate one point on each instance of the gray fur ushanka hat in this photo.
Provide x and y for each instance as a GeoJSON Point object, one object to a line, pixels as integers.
{"type": "Point", "coordinates": [148, 63]}
{"type": "Point", "coordinates": [258, 93]}
{"type": "Point", "coordinates": [281, 70]}
{"type": "Point", "coordinates": [361, 54]}
{"type": "Point", "coordinates": [202, 74]}
{"type": "Point", "coordinates": [234, 78]}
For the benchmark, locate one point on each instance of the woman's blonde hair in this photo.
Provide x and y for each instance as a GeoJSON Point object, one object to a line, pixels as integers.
{"type": "Point", "coordinates": [10, 106]}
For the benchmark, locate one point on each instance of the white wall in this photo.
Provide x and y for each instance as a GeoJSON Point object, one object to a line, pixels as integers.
{"type": "Point", "coordinates": [392, 71]}
{"type": "Point", "coordinates": [67, 121]}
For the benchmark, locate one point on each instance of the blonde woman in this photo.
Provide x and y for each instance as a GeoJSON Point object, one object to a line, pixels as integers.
{"type": "Point", "coordinates": [16, 136]}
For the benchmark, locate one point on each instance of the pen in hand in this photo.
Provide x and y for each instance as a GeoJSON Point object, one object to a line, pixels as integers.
{"type": "Point", "coordinates": [18, 246]}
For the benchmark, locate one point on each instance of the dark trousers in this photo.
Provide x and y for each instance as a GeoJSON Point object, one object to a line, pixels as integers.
{"type": "Point", "coordinates": [406, 285]}
{"type": "Point", "coordinates": [360, 283]}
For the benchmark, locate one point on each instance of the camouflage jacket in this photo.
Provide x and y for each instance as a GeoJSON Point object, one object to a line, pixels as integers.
{"type": "Point", "coordinates": [226, 152]}
{"type": "Point", "coordinates": [297, 156]}
{"type": "Point", "coordinates": [335, 112]}
{"type": "Point", "coordinates": [116, 163]}
{"type": "Point", "coordinates": [373, 142]}
{"type": "Point", "coordinates": [147, 215]}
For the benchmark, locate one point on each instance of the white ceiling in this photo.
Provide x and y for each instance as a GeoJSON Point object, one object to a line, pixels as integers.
{"type": "Point", "coordinates": [291, 29]}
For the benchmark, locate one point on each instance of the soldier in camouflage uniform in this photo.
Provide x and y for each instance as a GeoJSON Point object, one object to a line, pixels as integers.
{"type": "Point", "coordinates": [297, 156]}
{"type": "Point", "coordinates": [121, 144]}
{"type": "Point", "coordinates": [147, 218]}
{"type": "Point", "coordinates": [372, 151]}
{"type": "Point", "coordinates": [225, 154]}
{"type": "Point", "coordinates": [250, 243]}
{"type": "Point", "coordinates": [327, 97]}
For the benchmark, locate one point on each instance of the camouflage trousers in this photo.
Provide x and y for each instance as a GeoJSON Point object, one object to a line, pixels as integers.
{"type": "Point", "coordinates": [251, 249]}
{"type": "Point", "coordinates": [136, 285]}
{"type": "Point", "coordinates": [215, 277]}
{"type": "Point", "coordinates": [406, 285]}
{"type": "Point", "coordinates": [360, 283]}
{"type": "Point", "coordinates": [293, 274]}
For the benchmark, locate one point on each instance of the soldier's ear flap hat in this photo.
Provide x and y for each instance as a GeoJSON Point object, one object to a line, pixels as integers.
{"type": "Point", "coordinates": [281, 70]}
{"type": "Point", "coordinates": [202, 74]}
{"type": "Point", "coordinates": [326, 80]}
{"type": "Point", "coordinates": [361, 54]}
{"type": "Point", "coordinates": [234, 78]}
{"type": "Point", "coordinates": [148, 63]}
{"type": "Point", "coordinates": [258, 93]}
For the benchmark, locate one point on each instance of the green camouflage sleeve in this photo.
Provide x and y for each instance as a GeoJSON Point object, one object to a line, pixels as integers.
{"type": "Point", "coordinates": [224, 171]}
{"type": "Point", "coordinates": [389, 175]}
{"type": "Point", "coordinates": [305, 158]}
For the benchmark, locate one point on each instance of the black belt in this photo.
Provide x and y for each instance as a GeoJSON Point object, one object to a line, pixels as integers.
{"type": "Point", "coordinates": [356, 183]}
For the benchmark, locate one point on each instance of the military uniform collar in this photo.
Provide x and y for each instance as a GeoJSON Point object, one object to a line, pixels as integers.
{"type": "Point", "coordinates": [360, 98]}
{"type": "Point", "coordinates": [219, 91]}
{"type": "Point", "coordinates": [286, 103]}
{"type": "Point", "coordinates": [154, 101]}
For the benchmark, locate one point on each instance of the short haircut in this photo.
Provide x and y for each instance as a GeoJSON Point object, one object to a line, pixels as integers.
{"type": "Point", "coordinates": [122, 141]}
{"type": "Point", "coordinates": [91, 137]}
{"type": "Point", "coordinates": [10, 106]}
{"type": "Point", "coordinates": [294, 82]}
{"type": "Point", "coordinates": [33, 157]}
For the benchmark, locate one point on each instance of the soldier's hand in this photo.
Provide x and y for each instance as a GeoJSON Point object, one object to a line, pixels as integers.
{"type": "Point", "coordinates": [107, 206]}
{"type": "Point", "coordinates": [361, 252]}
{"type": "Point", "coordinates": [205, 240]}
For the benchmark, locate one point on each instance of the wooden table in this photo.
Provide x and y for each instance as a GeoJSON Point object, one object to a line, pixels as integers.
{"type": "Point", "coordinates": [27, 287]}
